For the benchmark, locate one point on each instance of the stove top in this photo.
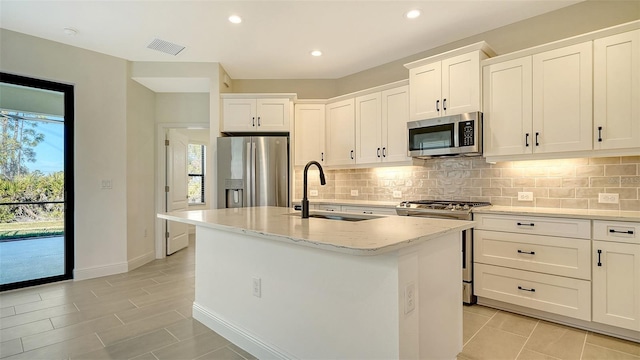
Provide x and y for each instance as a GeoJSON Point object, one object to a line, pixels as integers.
{"type": "Point", "coordinates": [439, 208]}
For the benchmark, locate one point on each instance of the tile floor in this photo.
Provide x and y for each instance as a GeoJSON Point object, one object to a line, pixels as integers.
{"type": "Point", "coordinates": [146, 315]}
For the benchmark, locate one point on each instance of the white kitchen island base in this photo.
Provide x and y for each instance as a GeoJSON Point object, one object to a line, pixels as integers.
{"type": "Point", "coordinates": [277, 299]}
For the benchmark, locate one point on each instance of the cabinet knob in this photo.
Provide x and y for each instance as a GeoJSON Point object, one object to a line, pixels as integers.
{"type": "Point", "coordinates": [258, 120]}
{"type": "Point", "coordinates": [599, 253]}
{"type": "Point", "coordinates": [444, 104]}
{"type": "Point", "coordinates": [384, 152]}
{"type": "Point", "coordinates": [378, 152]}
{"type": "Point", "coordinates": [253, 121]}
{"type": "Point", "coordinates": [526, 140]}
{"type": "Point", "coordinates": [351, 154]}
{"type": "Point", "coordinates": [437, 105]}
{"type": "Point", "coordinates": [537, 143]}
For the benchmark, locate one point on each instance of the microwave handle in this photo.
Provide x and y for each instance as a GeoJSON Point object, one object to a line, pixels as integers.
{"type": "Point", "coordinates": [456, 140]}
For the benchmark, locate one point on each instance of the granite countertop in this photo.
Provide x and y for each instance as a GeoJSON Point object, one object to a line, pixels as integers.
{"type": "Point", "coordinates": [378, 235]}
{"type": "Point", "coordinates": [591, 214]}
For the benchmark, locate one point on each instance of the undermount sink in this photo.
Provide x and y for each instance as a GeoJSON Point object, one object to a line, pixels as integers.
{"type": "Point", "coordinates": [339, 217]}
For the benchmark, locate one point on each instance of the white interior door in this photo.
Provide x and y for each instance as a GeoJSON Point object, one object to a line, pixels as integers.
{"type": "Point", "coordinates": [177, 233]}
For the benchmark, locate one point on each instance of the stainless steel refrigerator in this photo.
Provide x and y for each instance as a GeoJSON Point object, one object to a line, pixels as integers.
{"type": "Point", "coordinates": [253, 171]}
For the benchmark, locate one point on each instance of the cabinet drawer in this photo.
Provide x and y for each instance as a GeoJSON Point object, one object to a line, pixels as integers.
{"type": "Point", "coordinates": [576, 228]}
{"type": "Point", "coordinates": [554, 294]}
{"type": "Point", "coordinates": [545, 254]}
{"type": "Point", "coordinates": [328, 207]}
{"type": "Point", "coordinates": [366, 210]}
{"type": "Point", "coordinates": [619, 231]}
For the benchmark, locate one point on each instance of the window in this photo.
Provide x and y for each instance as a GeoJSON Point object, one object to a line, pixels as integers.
{"type": "Point", "coordinates": [195, 167]}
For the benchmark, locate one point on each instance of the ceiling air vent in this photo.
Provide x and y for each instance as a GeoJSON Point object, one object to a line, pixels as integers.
{"type": "Point", "coordinates": [165, 46]}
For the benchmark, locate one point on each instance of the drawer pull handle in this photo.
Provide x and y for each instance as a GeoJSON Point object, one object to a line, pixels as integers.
{"type": "Point", "coordinates": [526, 252]}
{"type": "Point", "coordinates": [599, 253]}
{"type": "Point", "coordinates": [525, 289]}
{"type": "Point", "coordinates": [525, 224]}
{"type": "Point", "coordinates": [630, 232]}
{"type": "Point", "coordinates": [367, 212]}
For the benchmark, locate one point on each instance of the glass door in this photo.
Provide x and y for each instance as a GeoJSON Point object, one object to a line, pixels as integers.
{"type": "Point", "coordinates": [36, 181]}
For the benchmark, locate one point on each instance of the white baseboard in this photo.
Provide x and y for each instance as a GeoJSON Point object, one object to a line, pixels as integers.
{"type": "Point", "coordinates": [141, 260]}
{"type": "Point", "coordinates": [99, 271]}
{"type": "Point", "coordinates": [237, 335]}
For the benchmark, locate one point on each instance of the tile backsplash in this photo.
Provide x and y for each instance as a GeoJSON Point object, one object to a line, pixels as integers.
{"type": "Point", "coordinates": [566, 183]}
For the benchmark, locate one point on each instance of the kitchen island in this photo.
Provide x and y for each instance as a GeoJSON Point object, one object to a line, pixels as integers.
{"type": "Point", "coordinates": [279, 286]}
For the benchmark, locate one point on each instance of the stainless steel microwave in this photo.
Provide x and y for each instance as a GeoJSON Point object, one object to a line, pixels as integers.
{"type": "Point", "coordinates": [446, 136]}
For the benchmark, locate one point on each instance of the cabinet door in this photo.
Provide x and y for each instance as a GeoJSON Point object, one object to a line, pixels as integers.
{"type": "Point", "coordinates": [425, 91]}
{"type": "Point", "coordinates": [309, 133]}
{"type": "Point", "coordinates": [340, 132]}
{"type": "Point", "coordinates": [273, 114]}
{"type": "Point", "coordinates": [239, 115]}
{"type": "Point", "coordinates": [368, 129]}
{"type": "Point", "coordinates": [507, 108]}
{"type": "Point", "coordinates": [616, 284]}
{"type": "Point", "coordinates": [461, 84]}
{"type": "Point", "coordinates": [562, 99]}
{"type": "Point", "coordinates": [395, 114]}
{"type": "Point", "coordinates": [616, 108]}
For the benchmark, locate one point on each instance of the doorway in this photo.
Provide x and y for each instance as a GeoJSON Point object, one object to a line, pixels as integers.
{"type": "Point", "coordinates": [182, 171]}
{"type": "Point", "coordinates": [36, 181]}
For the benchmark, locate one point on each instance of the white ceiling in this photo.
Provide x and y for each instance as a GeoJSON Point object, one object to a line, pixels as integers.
{"type": "Point", "coordinates": [275, 37]}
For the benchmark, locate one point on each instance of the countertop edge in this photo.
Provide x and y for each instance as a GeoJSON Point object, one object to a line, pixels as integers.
{"type": "Point", "coordinates": [464, 225]}
{"type": "Point", "coordinates": [588, 214]}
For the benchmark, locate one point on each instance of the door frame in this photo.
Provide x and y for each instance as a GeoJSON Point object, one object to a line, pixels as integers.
{"type": "Point", "coordinates": [161, 166]}
{"type": "Point", "coordinates": [69, 184]}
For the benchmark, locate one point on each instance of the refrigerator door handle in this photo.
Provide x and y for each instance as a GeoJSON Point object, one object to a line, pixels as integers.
{"type": "Point", "coordinates": [254, 194]}
{"type": "Point", "coordinates": [249, 174]}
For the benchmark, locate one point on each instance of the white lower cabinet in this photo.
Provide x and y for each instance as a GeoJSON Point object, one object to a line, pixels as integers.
{"type": "Point", "coordinates": [554, 294]}
{"type": "Point", "coordinates": [577, 268]}
{"type": "Point", "coordinates": [616, 274]}
{"type": "Point", "coordinates": [542, 263]}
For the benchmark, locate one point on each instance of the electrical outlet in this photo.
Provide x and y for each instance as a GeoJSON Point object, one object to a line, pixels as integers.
{"type": "Point", "coordinates": [313, 192]}
{"type": "Point", "coordinates": [257, 287]}
{"type": "Point", "coordinates": [106, 184]}
{"type": "Point", "coordinates": [354, 192]}
{"type": "Point", "coordinates": [525, 196]}
{"type": "Point", "coordinates": [409, 298]}
{"type": "Point", "coordinates": [604, 198]}
{"type": "Point", "coordinates": [397, 194]}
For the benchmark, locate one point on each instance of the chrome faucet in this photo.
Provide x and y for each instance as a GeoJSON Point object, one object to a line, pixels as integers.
{"type": "Point", "coordinates": [305, 200]}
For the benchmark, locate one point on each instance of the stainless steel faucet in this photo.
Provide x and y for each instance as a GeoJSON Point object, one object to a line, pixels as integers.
{"type": "Point", "coordinates": [305, 200]}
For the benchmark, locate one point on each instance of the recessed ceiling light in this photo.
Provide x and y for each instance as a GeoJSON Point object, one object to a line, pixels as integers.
{"type": "Point", "coordinates": [70, 31]}
{"type": "Point", "coordinates": [412, 14]}
{"type": "Point", "coordinates": [235, 19]}
{"type": "Point", "coordinates": [316, 53]}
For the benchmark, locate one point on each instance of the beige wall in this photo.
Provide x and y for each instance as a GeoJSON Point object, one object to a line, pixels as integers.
{"type": "Point", "coordinates": [569, 183]}
{"type": "Point", "coordinates": [100, 149]}
{"type": "Point", "coordinates": [566, 22]}
{"type": "Point", "coordinates": [174, 108]}
{"type": "Point", "coordinates": [140, 174]}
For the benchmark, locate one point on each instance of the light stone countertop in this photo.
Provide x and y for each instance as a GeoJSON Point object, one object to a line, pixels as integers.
{"type": "Point", "coordinates": [378, 235]}
{"type": "Point", "coordinates": [590, 214]}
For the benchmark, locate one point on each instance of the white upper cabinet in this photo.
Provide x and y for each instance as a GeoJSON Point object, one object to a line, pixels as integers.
{"type": "Point", "coordinates": [562, 98]}
{"type": "Point", "coordinates": [368, 129]}
{"type": "Point", "coordinates": [395, 115]}
{"type": "Point", "coordinates": [241, 113]}
{"type": "Point", "coordinates": [446, 84]}
{"type": "Point", "coordinates": [426, 91]}
{"type": "Point", "coordinates": [309, 133]}
{"type": "Point", "coordinates": [616, 98]}
{"type": "Point", "coordinates": [340, 133]}
{"type": "Point", "coordinates": [507, 107]}
{"type": "Point", "coordinates": [539, 104]}
{"type": "Point", "coordinates": [381, 126]}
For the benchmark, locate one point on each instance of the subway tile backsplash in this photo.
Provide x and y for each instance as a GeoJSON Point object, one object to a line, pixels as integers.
{"type": "Point", "coordinates": [566, 183]}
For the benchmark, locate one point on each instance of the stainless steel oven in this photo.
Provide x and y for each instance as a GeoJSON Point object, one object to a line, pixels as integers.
{"type": "Point", "coordinates": [446, 136]}
{"type": "Point", "coordinates": [459, 210]}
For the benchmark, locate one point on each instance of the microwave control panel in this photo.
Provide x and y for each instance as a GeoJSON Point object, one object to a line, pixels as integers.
{"type": "Point", "coordinates": [466, 133]}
